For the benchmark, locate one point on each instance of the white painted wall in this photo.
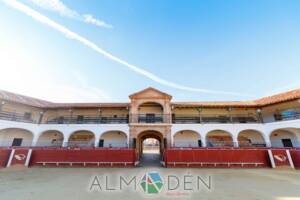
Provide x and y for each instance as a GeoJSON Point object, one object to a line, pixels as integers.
{"type": "Point", "coordinates": [202, 129]}
{"type": "Point", "coordinates": [8, 135]}
{"type": "Point", "coordinates": [186, 139]}
{"type": "Point", "coordinates": [277, 136]}
{"type": "Point", "coordinates": [50, 138]}
{"type": "Point", "coordinates": [114, 139]}
{"type": "Point", "coordinates": [255, 137]}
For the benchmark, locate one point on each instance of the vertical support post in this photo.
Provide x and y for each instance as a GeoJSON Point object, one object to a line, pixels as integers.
{"type": "Point", "coordinates": [35, 140]}
{"type": "Point", "coordinates": [203, 139]}
{"type": "Point", "coordinates": [65, 142]}
{"type": "Point", "coordinates": [268, 141]}
{"type": "Point", "coordinates": [200, 115]}
{"type": "Point", "coordinates": [12, 153]}
{"type": "Point", "coordinates": [97, 140]}
{"type": "Point", "coordinates": [271, 158]}
{"type": "Point", "coordinates": [100, 113]}
{"type": "Point", "coordinates": [41, 117]}
{"type": "Point", "coordinates": [230, 116]}
{"type": "Point", "coordinates": [288, 153]}
{"type": "Point", "coordinates": [235, 140]}
{"type": "Point", "coordinates": [28, 158]}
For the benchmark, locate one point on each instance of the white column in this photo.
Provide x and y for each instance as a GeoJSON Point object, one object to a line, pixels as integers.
{"type": "Point", "coordinates": [97, 140]}
{"type": "Point", "coordinates": [267, 140]}
{"type": "Point", "coordinates": [66, 139]}
{"type": "Point", "coordinates": [35, 139]}
{"type": "Point", "coordinates": [235, 140]}
{"type": "Point", "coordinates": [203, 140]}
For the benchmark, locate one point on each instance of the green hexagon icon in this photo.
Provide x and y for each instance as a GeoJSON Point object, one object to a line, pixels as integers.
{"type": "Point", "coordinates": [152, 183]}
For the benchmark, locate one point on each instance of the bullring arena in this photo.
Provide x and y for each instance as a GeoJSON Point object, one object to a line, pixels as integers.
{"type": "Point", "coordinates": [255, 142]}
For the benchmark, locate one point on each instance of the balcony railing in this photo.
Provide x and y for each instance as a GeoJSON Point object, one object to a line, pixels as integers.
{"type": "Point", "coordinates": [146, 118]}
{"type": "Point", "coordinates": [290, 115]}
{"type": "Point", "coordinates": [17, 117]}
{"type": "Point", "coordinates": [150, 118]}
{"type": "Point", "coordinates": [87, 120]}
{"type": "Point", "coordinates": [194, 119]}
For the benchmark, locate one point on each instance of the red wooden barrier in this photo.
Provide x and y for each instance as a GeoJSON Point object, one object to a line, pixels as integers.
{"type": "Point", "coordinates": [83, 157]}
{"type": "Point", "coordinates": [295, 154]}
{"type": "Point", "coordinates": [19, 157]}
{"type": "Point", "coordinates": [280, 157]}
{"type": "Point", "coordinates": [4, 156]}
{"type": "Point", "coordinates": [224, 158]}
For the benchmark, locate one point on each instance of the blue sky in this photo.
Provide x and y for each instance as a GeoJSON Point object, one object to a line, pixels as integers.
{"type": "Point", "coordinates": [249, 48]}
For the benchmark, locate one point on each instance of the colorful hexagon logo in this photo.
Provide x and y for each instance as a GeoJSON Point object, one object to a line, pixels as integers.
{"type": "Point", "coordinates": [152, 183]}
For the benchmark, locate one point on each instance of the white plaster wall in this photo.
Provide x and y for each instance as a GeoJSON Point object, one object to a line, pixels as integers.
{"type": "Point", "coordinates": [254, 136]}
{"type": "Point", "coordinates": [8, 135]}
{"type": "Point", "coordinates": [202, 129]}
{"type": "Point", "coordinates": [186, 139]}
{"type": "Point", "coordinates": [114, 139]}
{"type": "Point", "coordinates": [50, 138]}
{"type": "Point", "coordinates": [277, 136]}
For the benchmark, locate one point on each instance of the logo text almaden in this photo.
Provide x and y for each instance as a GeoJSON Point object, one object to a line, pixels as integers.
{"type": "Point", "coordinates": [151, 183]}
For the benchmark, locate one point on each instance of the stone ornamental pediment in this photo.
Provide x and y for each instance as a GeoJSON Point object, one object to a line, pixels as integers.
{"type": "Point", "coordinates": [150, 93]}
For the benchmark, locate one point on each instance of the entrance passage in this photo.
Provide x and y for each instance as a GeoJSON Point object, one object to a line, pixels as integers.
{"type": "Point", "coordinates": [151, 152]}
{"type": "Point", "coordinates": [150, 149]}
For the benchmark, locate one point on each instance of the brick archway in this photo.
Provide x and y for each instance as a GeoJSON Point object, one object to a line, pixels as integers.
{"type": "Point", "coordinates": [149, 134]}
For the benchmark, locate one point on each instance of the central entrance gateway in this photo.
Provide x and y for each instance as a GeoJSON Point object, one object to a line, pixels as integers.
{"type": "Point", "coordinates": [150, 147]}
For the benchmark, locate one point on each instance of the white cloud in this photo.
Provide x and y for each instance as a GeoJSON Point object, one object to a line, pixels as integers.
{"type": "Point", "coordinates": [21, 75]}
{"type": "Point", "coordinates": [89, 19]}
{"type": "Point", "coordinates": [59, 7]}
{"type": "Point", "coordinates": [72, 35]}
{"type": "Point", "coordinates": [56, 6]}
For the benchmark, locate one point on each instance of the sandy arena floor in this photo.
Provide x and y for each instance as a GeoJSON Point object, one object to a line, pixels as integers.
{"type": "Point", "coordinates": [67, 184]}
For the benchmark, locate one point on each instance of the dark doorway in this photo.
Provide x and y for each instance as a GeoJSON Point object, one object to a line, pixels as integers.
{"type": "Point", "coordinates": [17, 142]}
{"type": "Point", "coordinates": [287, 142]}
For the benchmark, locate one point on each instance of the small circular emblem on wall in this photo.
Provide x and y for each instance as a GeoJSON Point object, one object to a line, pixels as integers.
{"type": "Point", "coordinates": [20, 157]}
{"type": "Point", "coordinates": [280, 157]}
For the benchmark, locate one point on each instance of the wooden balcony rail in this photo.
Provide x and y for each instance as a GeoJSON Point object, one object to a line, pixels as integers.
{"type": "Point", "coordinates": [87, 120]}
{"type": "Point", "coordinates": [289, 115]}
{"type": "Point", "coordinates": [147, 118]}
{"type": "Point", "coordinates": [192, 119]}
{"type": "Point", "coordinates": [150, 118]}
{"type": "Point", "coordinates": [17, 117]}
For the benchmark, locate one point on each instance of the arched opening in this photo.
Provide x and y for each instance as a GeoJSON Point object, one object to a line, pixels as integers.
{"type": "Point", "coordinates": [289, 137]}
{"type": "Point", "coordinates": [147, 157]}
{"type": "Point", "coordinates": [219, 138]}
{"type": "Point", "coordinates": [150, 112]}
{"type": "Point", "coordinates": [113, 139]}
{"type": "Point", "coordinates": [187, 138]}
{"type": "Point", "coordinates": [251, 138]}
{"type": "Point", "coordinates": [151, 146]}
{"type": "Point", "coordinates": [82, 139]}
{"type": "Point", "coordinates": [51, 138]}
{"type": "Point", "coordinates": [15, 137]}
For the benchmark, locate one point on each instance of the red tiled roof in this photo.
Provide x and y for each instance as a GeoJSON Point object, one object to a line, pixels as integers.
{"type": "Point", "coordinates": [17, 98]}
{"type": "Point", "coordinates": [278, 98]}
{"type": "Point", "coordinates": [216, 104]}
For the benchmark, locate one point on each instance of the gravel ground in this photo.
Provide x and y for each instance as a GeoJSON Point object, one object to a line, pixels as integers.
{"type": "Point", "coordinates": [74, 183]}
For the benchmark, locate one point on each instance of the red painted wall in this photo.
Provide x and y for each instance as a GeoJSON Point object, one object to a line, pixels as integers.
{"type": "Point", "coordinates": [82, 155]}
{"type": "Point", "coordinates": [20, 156]}
{"type": "Point", "coordinates": [295, 154]}
{"type": "Point", "coordinates": [217, 155]}
{"type": "Point", "coordinates": [280, 157]}
{"type": "Point", "coordinates": [4, 156]}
